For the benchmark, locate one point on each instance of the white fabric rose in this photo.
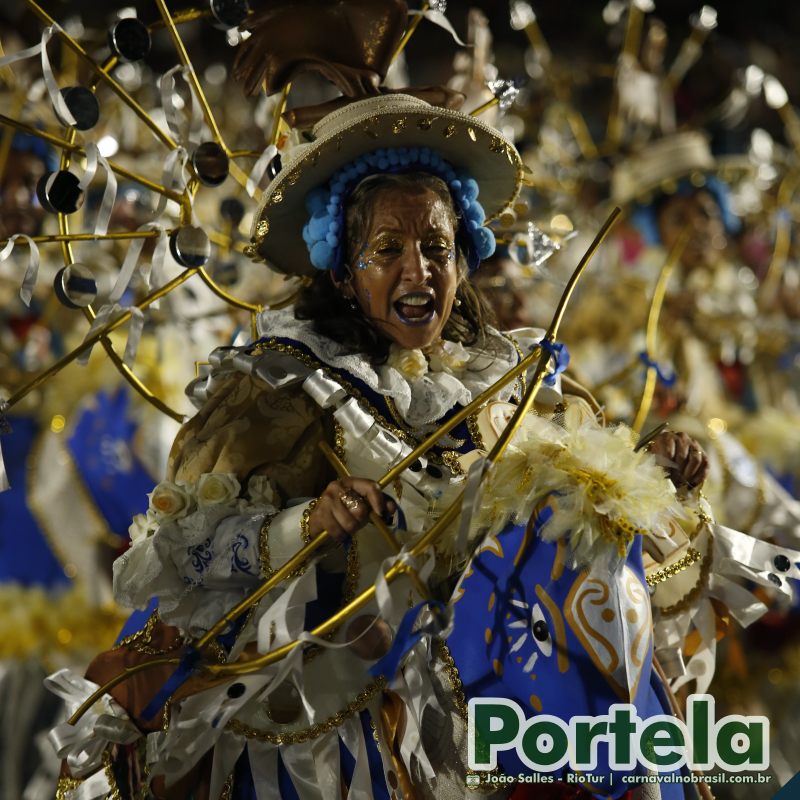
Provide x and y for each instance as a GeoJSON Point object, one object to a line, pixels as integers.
{"type": "Point", "coordinates": [411, 364]}
{"type": "Point", "coordinates": [142, 526]}
{"type": "Point", "coordinates": [170, 501]}
{"type": "Point", "coordinates": [261, 491]}
{"type": "Point", "coordinates": [450, 357]}
{"type": "Point", "coordinates": [214, 488]}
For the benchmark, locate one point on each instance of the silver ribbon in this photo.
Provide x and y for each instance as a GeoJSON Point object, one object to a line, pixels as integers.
{"type": "Point", "coordinates": [94, 159]}
{"type": "Point", "coordinates": [175, 122]}
{"type": "Point", "coordinates": [135, 328]}
{"type": "Point", "coordinates": [53, 91]}
{"type": "Point", "coordinates": [4, 484]}
{"type": "Point", "coordinates": [471, 501]}
{"type": "Point", "coordinates": [438, 18]}
{"type": "Point", "coordinates": [31, 271]}
{"type": "Point", "coordinates": [82, 744]}
{"type": "Point", "coordinates": [264, 766]}
{"type": "Point", "coordinates": [173, 177]}
{"type": "Point", "coordinates": [352, 735]}
{"type": "Point", "coordinates": [259, 168]}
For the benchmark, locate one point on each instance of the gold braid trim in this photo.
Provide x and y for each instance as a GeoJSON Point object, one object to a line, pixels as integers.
{"type": "Point", "coordinates": [65, 786]}
{"type": "Point", "coordinates": [112, 781]}
{"type": "Point", "coordinates": [140, 641]}
{"type": "Point", "coordinates": [296, 737]}
{"type": "Point", "coordinates": [702, 582]}
{"type": "Point", "coordinates": [339, 445]}
{"type": "Point", "coordinates": [474, 432]}
{"type": "Point", "coordinates": [692, 557]}
{"type": "Point", "coordinates": [451, 671]}
{"type": "Point", "coordinates": [263, 547]}
{"type": "Point", "coordinates": [305, 522]}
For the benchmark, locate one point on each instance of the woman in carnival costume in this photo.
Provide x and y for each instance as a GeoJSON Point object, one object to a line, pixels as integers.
{"type": "Point", "coordinates": [387, 343]}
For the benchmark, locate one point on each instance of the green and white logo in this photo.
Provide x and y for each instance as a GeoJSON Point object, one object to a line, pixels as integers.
{"type": "Point", "coordinates": [659, 743]}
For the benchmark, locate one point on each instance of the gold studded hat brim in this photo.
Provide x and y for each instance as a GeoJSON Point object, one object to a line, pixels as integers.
{"type": "Point", "coordinates": [361, 127]}
{"type": "Point", "coordinates": [659, 165]}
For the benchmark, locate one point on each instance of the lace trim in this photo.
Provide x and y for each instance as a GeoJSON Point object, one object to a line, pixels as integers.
{"type": "Point", "coordinates": [420, 402]}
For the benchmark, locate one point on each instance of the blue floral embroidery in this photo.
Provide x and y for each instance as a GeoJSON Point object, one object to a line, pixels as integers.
{"type": "Point", "coordinates": [201, 556]}
{"type": "Point", "coordinates": [239, 560]}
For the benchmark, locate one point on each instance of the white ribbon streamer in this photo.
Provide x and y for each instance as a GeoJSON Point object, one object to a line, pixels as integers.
{"type": "Point", "coordinates": [94, 158]}
{"type": "Point", "coordinates": [259, 168]}
{"type": "Point", "coordinates": [31, 271]}
{"type": "Point", "coordinates": [264, 766]}
{"type": "Point", "coordinates": [175, 121]}
{"type": "Point", "coordinates": [438, 18]}
{"type": "Point", "coordinates": [82, 744]}
{"type": "Point", "coordinates": [173, 177]}
{"type": "Point", "coordinates": [56, 98]}
{"type": "Point", "coordinates": [135, 328]}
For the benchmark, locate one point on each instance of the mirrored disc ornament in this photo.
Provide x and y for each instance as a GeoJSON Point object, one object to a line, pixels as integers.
{"type": "Point", "coordinates": [83, 106]}
{"type": "Point", "coordinates": [59, 192]}
{"type": "Point", "coordinates": [75, 286]}
{"type": "Point", "coordinates": [210, 164]}
{"type": "Point", "coordinates": [190, 246]}
{"type": "Point", "coordinates": [228, 14]}
{"type": "Point", "coordinates": [232, 210]}
{"type": "Point", "coordinates": [274, 166]}
{"type": "Point", "coordinates": [284, 705]}
{"type": "Point", "coordinates": [129, 39]}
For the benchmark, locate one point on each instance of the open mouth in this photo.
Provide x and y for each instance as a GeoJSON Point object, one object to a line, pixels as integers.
{"type": "Point", "coordinates": [415, 308]}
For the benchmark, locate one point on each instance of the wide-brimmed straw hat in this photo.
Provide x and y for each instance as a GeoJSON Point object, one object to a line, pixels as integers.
{"type": "Point", "coordinates": [659, 165]}
{"type": "Point", "coordinates": [388, 121]}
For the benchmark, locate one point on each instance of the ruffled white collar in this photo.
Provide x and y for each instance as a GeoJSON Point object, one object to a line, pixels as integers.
{"type": "Point", "coordinates": [423, 389]}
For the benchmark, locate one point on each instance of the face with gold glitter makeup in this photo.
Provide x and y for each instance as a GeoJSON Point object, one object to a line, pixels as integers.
{"type": "Point", "coordinates": [405, 273]}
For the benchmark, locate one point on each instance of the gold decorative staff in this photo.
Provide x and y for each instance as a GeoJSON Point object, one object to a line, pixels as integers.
{"type": "Point", "coordinates": [783, 241]}
{"type": "Point", "coordinates": [630, 50]}
{"type": "Point", "coordinates": [652, 327]}
{"type": "Point", "coordinates": [423, 543]}
{"type": "Point", "coordinates": [523, 17]}
{"type": "Point", "coordinates": [412, 26]}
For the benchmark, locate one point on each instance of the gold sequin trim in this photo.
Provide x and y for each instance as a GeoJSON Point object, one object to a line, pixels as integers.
{"type": "Point", "coordinates": [451, 671]}
{"type": "Point", "coordinates": [140, 641]}
{"type": "Point", "coordinates": [262, 229]}
{"type": "Point", "coordinates": [353, 571]}
{"type": "Point", "coordinates": [449, 131]}
{"type": "Point", "coordinates": [227, 789]}
{"type": "Point", "coordinates": [702, 582]}
{"type": "Point", "coordinates": [307, 734]}
{"type": "Point", "coordinates": [450, 460]}
{"type": "Point", "coordinates": [263, 547]}
{"type": "Point", "coordinates": [692, 557]}
{"type": "Point", "coordinates": [339, 444]}
{"type": "Point", "coordinates": [474, 432]}
{"type": "Point", "coordinates": [112, 781]}
{"type": "Point", "coordinates": [66, 785]}
{"type": "Point", "coordinates": [305, 522]}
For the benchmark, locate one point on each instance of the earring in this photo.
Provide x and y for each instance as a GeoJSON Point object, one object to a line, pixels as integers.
{"type": "Point", "coordinates": [457, 302]}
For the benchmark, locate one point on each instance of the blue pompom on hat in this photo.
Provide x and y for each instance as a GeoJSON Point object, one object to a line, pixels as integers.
{"type": "Point", "coordinates": [325, 228]}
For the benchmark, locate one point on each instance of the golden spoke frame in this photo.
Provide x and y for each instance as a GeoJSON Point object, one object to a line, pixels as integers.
{"type": "Point", "coordinates": [427, 540]}
{"type": "Point", "coordinates": [69, 148]}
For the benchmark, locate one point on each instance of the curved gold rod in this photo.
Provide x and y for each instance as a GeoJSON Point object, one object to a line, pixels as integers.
{"type": "Point", "coordinates": [453, 510]}
{"type": "Point", "coordinates": [65, 144]}
{"type": "Point", "coordinates": [59, 238]}
{"type": "Point", "coordinates": [412, 26]}
{"type": "Point", "coordinates": [127, 373]}
{"type": "Point", "coordinates": [223, 295]}
{"type": "Point", "coordinates": [183, 56]}
{"type": "Point", "coordinates": [151, 298]}
{"type": "Point", "coordinates": [659, 292]}
{"type": "Point", "coordinates": [783, 241]}
{"type": "Point", "coordinates": [128, 672]}
{"type": "Point", "coordinates": [113, 84]}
